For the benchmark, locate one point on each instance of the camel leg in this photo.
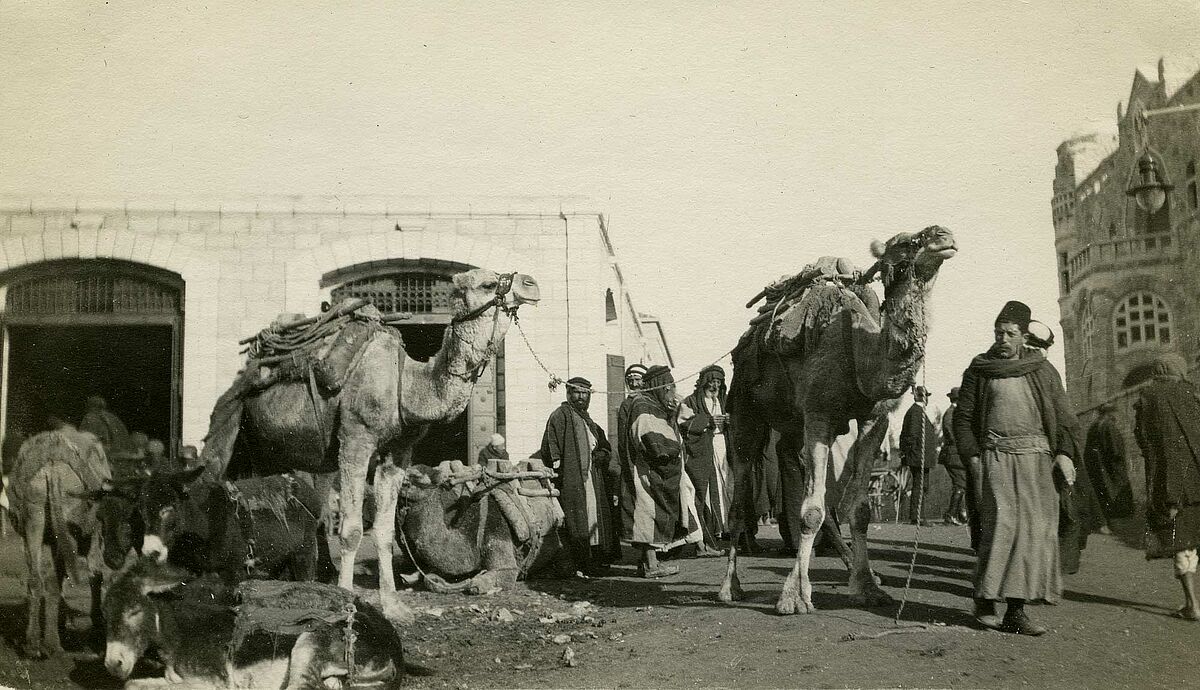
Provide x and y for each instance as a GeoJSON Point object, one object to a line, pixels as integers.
{"type": "Point", "coordinates": [864, 584]}
{"type": "Point", "coordinates": [748, 435]}
{"type": "Point", "coordinates": [353, 461]}
{"type": "Point", "coordinates": [388, 480]}
{"type": "Point", "coordinates": [796, 596]}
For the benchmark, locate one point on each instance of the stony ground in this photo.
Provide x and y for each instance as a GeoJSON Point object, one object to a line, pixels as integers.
{"type": "Point", "coordinates": [1113, 629]}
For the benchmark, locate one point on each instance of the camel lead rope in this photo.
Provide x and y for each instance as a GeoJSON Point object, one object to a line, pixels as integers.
{"type": "Point", "coordinates": [912, 563]}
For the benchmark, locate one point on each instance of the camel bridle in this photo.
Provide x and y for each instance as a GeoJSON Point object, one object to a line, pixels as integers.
{"type": "Point", "coordinates": [504, 284]}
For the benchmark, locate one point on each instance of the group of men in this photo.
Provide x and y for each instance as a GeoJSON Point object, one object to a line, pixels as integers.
{"type": "Point", "coordinates": [661, 483]}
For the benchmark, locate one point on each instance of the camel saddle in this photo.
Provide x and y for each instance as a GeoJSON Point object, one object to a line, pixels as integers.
{"type": "Point", "coordinates": [296, 348]}
{"type": "Point", "coordinates": [523, 491]}
{"type": "Point", "coordinates": [796, 309]}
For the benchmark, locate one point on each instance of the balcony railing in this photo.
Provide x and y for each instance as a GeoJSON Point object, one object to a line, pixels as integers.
{"type": "Point", "coordinates": [1164, 245]}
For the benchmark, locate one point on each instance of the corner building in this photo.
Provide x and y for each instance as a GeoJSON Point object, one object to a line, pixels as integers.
{"type": "Point", "coordinates": [1129, 280]}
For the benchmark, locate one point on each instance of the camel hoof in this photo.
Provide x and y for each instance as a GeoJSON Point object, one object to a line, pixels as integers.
{"type": "Point", "coordinates": [793, 604]}
{"type": "Point", "coordinates": [730, 593]}
{"type": "Point", "coordinates": [395, 610]}
{"type": "Point", "coordinates": [872, 597]}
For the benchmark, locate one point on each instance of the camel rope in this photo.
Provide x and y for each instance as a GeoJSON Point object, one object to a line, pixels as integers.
{"type": "Point", "coordinates": [920, 498]}
{"type": "Point", "coordinates": [556, 380]}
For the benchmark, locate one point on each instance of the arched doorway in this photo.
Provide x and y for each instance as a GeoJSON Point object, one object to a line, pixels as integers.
{"type": "Point", "coordinates": [77, 328]}
{"type": "Point", "coordinates": [422, 287]}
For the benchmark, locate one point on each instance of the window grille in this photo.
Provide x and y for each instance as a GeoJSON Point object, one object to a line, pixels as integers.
{"type": "Point", "coordinates": [1142, 319]}
{"type": "Point", "coordinates": [91, 294]}
{"type": "Point", "coordinates": [419, 294]}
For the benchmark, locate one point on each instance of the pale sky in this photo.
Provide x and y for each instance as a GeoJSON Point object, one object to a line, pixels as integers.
{"type": "Point", "coordinates": [727, 143]}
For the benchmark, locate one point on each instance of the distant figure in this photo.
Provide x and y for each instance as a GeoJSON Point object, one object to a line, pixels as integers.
{"type": "Point", "coordinates": [919, 449]}
{"type": "Point", "coordinates": [578, 451]}
{"type": "Point", "coordinates": [494, 450]}
{"type": "Point", "coordinates": [189, 457]}
{"type": "Point", "coordinates": [1167, 430]}
{"type": "Point", "coordinates": [104, 425]}
{"type": "Point", "coordinates": [956, 513]}
{"type": "Point", "coordinates": [156, 459]}
{"type": "Point", "coordinates": [1104, 455]}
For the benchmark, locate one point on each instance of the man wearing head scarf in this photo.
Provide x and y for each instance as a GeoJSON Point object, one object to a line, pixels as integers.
{"type": "Point", "coordinates": [704, 427]}
{"type": "Point", "coordinates": [956, 512]}
{"type": "Point", "coordinates": [1014, 428]}
{"type": "Point", "coordinates": [620, 466]}
{"type": "Point", "coordinates": [1167, 429]}
{"type": "Point", "coordinates": [1107, 466]}
{"type": "Point", "coordinates": [657, 498]}
{"type": "Point", "coordinates": [919, 449]}
{"type": "Point", "coordinates": [104, 425]}
{"type": "Point", "coordinates": [494, 450]}
{"type": "Point", "coordinates": [576, 448]}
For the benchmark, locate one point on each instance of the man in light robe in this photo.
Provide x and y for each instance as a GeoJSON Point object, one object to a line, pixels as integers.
{"type": "Point", "coordinates": [704, 428]}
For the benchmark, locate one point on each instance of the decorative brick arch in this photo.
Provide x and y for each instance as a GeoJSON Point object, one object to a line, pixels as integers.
{"type": "Point", "coordinates": [21, 253]}
{"type": "Point", "coordinates": [382, 246]}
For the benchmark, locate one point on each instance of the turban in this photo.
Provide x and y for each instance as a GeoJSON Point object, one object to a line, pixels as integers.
{"type": "Point", "coordinates": [1040, 335]}
{"type": "Point", "coordinates": [1015, 312]}
{"type": "Point", "coordinates": [639, 369]}
{"type": "Point", "coordinates": [657, 375]}
{"type": "Point", "coordinates": [1170, 365]}
{"type": "Point", "coordinates": [579, 383]}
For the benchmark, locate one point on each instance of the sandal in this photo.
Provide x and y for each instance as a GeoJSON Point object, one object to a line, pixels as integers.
{"type": "Point", "coordinates": [655, 573]}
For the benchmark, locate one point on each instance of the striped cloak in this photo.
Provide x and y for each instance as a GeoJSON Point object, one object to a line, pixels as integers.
{"type": "Point", "coordinates": [657, 499]}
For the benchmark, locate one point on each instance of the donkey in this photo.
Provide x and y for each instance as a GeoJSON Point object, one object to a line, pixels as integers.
{"type": "Point", "coordinates": [260, 527]}
{"type": "Point", "coordinates": [193, 627]}
{"type": "Point", "coordinates": [47, 489]}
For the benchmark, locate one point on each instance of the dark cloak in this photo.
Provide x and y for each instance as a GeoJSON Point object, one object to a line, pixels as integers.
{"type": "Point", "coordinates": [564, 447]}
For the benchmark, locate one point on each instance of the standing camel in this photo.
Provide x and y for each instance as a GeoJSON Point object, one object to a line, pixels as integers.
{"type": "Point", "coordinates": [54, 472]}
{"type": "Point", "coordinates": [824, 357]}
{"type": "Point", "coordinates": [383, 408]}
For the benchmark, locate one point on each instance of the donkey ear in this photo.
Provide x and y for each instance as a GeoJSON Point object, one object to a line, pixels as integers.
{"type": "Point", "coordinates": [163, 579]}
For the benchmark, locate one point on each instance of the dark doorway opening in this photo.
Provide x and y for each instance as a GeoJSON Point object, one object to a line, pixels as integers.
{"type": "Point", "coordinates": [53, 370]}
{"type": "Point", "coordinates": [443, 442]}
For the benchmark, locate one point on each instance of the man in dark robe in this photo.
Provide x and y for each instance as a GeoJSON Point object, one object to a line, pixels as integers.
{"type": "Point", "coordinates": [919, 450]}
{"type": "Point", "coordinates": [956, 512]}
{"type": "Point", "coordinates": [1167, 430]}
{"type": "Point", "coordinates": [704, 427]}
{"type": "Point", "coordinates": [657, 498]}
{"type": "Point", "coordinates": [1015, 429]}
{"type": "Point", "coordinates": [1107, 466]}
{"type": "Point", "coordinates": [576, 448]}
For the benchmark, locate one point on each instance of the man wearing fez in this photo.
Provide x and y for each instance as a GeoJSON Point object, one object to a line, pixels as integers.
{"type": "Point", "coordinates": [657, 499]}
{"type": "Point", "coordinates": [576, 448]}
{"type": "Point", "coordinates": [1014, 428]}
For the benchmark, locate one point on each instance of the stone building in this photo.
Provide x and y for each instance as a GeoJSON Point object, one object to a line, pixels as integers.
{"type": "Point", "coordinates": [1129, 279]}
{"type": "Point", "coordinates": [143, 301]}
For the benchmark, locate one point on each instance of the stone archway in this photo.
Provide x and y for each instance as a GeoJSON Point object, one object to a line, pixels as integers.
{"type": "Point", "coordinates": [422, 288]}
{"type": "Point", "coordinates": [75, 327]}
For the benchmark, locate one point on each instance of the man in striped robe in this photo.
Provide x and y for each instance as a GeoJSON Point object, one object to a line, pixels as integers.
{"type": "Point", "coordinates": [658, 500]}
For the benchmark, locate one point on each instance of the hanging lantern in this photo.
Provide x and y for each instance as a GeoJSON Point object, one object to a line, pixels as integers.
{"type": "Point", "coordinates": [1150, 192]}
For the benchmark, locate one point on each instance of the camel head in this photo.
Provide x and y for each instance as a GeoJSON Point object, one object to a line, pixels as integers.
{"type": "Point", "coordinates": [421, 483]}
{"type": "Point", "coordinates": [919, 255]}
{"type": "Point", "coordinates": [478, 290]}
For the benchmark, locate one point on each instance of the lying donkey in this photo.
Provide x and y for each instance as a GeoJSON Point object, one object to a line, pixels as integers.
{"type": "Point", "coordinates": [194, 627]}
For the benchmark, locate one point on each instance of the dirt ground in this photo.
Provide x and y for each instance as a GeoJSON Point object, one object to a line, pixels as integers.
{"type": "Point", "coordinates": [1113, 628]}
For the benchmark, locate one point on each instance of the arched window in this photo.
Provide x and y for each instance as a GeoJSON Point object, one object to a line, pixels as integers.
{"type": "Point", "coordinates": [1142, 319]}
{"type": "Point", "coordinates": [1087, 328]}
